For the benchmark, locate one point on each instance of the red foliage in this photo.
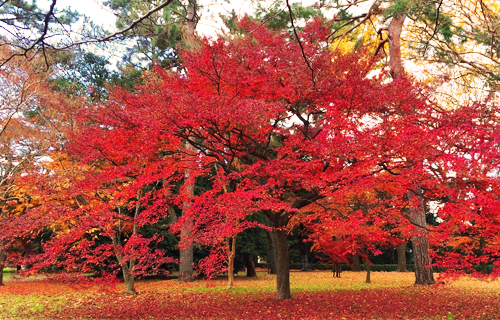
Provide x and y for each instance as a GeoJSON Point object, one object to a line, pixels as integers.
{"type": "Point", "coordinates": [277, 135]}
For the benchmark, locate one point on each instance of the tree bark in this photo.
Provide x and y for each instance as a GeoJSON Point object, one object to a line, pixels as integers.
{"type": "Point", "coordinates": [3, 256]}
{"type": "Point", "coordinates": [394, 29]}
{"type": "Point", "coordinates": [368, 272]}
{"type": "Point", "coordinates": [186, 272]}
{"type": "Point", "coordinates": [127, 266]}
{"type": "Point", "coordinates": [28, 252]}
{"type": "Point", "coordinates": [250, 265]}
{"type": "Point", "coordinates": [482, 245]}
{"type": "Point", "coordinates": [231, 248]}
{"type": "Point", "coordinates": [305, 263]}
{"type": "Point", "coordinates": [420, 241]}
{"type": "Point", "coordinates": [401, 252]}
{"type": "Point", "coordinates": [356, 264]}
{"type": "Point", "coordinates": [128, 277]}
{"type": "Point", "coordinates": [282, 265]}
{"type": "Point", "coordinates": [271, 252]}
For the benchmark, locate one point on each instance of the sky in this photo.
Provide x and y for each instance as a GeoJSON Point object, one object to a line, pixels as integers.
{"type": "Point", "coordinates": [209, 24]}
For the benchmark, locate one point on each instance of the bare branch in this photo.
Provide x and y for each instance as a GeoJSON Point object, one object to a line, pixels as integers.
{"type": "Point", "coordinates": [41, 40]}
{"type": "Point", "coordinates": [298, 40]}
{"type": "Point", "coordinates": [436, 26]}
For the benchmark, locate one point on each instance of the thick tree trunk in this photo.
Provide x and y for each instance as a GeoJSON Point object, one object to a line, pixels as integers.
{"type": "Point", "coordinates": [250, 265]}
{"type": "Point", "coordinates": [191, 23]}
{"type": "Point", "coordinates": [394, 29]}
{"type": "Point", "coordinates": [271, 252]}
{"type": "Point", "coordinates": [356, 264]}
{"type": "Point", "coordinates": [420, 241]}
{"type": "Point", "coordinates": [186, 272]}
{"type": "Point", "coordinates": [401, 251]}
{"type": "Point", "coordinates": [423, 273]}
{"type": "Point", "coordinates": [1, 275]}
{"type": "Point", "coordinates": [282, 265]}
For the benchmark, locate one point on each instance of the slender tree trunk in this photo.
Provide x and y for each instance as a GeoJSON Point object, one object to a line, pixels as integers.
{"type": "Point", "coordinates": [356, 264]}
{"type": "Point", "coordinates": [250, 265]}
{"type": "Point", "coordinates": [368, 272]}
{"type": "Point", "coordinates": [231, 248]}
{"type": "Point", "coordinates": [304, 250]}
{"type": "Point", "coordinates": [127, 266]}
{"type": "Point", "coordinates": [401, 251]}
{"type": "Point", "coordinates": [420, 241]}
{"type": "Point", "coordinates": [282, 265]}
{"type": "Point", "coordinates": [305, 263]}
{"type": "Point", "coordinates": [3, 256]}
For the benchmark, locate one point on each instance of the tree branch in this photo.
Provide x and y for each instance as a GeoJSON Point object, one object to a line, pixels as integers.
{"type": "Point", "coordinates": [298, 40]}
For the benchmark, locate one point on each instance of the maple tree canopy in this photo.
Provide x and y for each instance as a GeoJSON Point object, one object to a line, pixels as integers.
{"type": "Point", "coordinates": [290, 129]}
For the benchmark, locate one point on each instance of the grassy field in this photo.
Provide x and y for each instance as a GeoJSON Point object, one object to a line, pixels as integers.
{"type": "Point", "coordinates": [316, 295]}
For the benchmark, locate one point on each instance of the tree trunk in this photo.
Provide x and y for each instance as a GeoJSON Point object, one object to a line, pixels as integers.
{"type": "Point", "coordinates": [368, 272]}
{"type": "Point", "coordinates": [128, 276]}
{"type": "Point", "coordinates": [423, 274]}
{"type": "Point", "coordinates": [191, 23]}
{"type": "Point", "coordinates": [401, 251]}
{"type": "Point", "coordinates": [129, 279]}
{"type": "Point", "coordinates": [250, 265]}
{"type": "Point", "coordinates": [271, 252]}
{"type": "Point", "coordinates": [2, 261]}
{"type": "Point", "coordinates": [482, 245]}
{"type": "Point", "coordinates": [282, 265]}
{"type": "Point", "coordinates": [127, 266]}
{"type": "Point", "coordinates": [231, 248]}
{"type": "Point", "coordinates": [28, 252]}
{"type": "Point", "coordinates": [356, 264]}
{"type": "Point", "coordinates": [305, 263]}
{"type": "Point", "coordinates": [420, 241]}
{"type": "Point", "coordinates": [394, 29]}
{"type": "Point", "coordinates": [186, 272]}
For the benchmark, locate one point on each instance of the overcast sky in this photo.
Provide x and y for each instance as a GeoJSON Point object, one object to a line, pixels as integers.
{"type": "Point", "coordinates": [208, 25]}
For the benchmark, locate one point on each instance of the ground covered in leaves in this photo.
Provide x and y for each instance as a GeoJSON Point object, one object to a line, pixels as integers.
{"type": "Point", "coordinates": [316, 295]}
